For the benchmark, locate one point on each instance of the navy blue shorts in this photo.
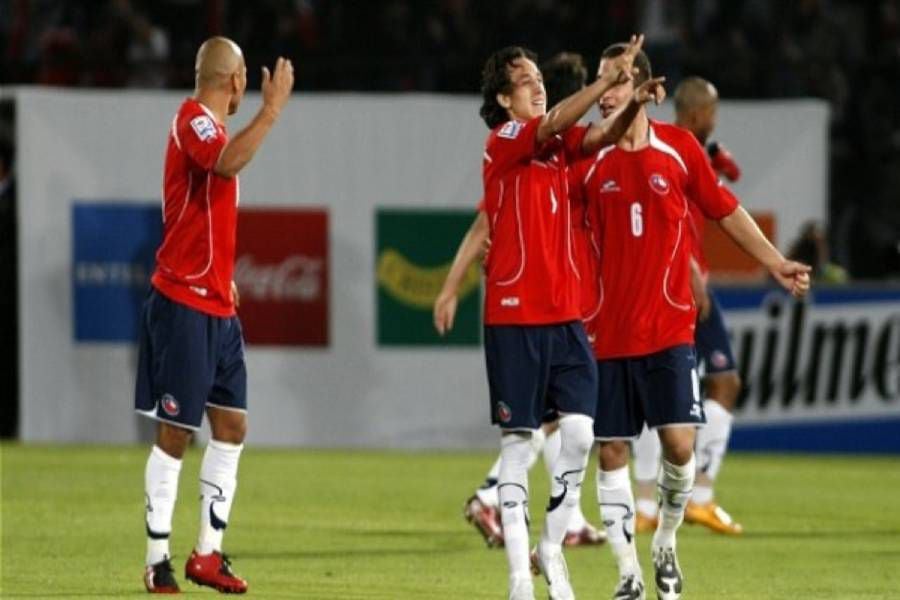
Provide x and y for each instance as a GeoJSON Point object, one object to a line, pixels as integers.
{"type": "Point", "coordinates": [188, 360]}
{"type": "Point", "coordinates": [659, 389]}
{"type": "Point", "coordinates": [532, 369]}
{"type": "Point", "coordinates": [714, 353]}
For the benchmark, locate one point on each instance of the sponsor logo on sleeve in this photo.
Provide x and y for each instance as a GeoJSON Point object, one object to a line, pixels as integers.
{"type": "Point", "coordinates": [203, 127]}
{"type": "Point", "coordinates": [511, 130]}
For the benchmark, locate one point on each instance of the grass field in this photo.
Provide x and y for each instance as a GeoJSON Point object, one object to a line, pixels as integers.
{"type": "Point", "coordinates": [381, 525]}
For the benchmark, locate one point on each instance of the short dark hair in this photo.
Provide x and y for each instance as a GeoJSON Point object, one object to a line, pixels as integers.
{"type": "Point", "coordinates": [564, 74]}
{"type": "Point", "coordinates": [641, 62]}
{"type": "Point", "coordinates": [495, 80]}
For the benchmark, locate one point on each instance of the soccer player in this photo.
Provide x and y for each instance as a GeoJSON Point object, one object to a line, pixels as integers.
{"type": "Point", "coordinates": [637, 192]}
{"type": "Point", "coordinates": [564, 74]}
{"type": "Point", "coordinates": [696, 104]}
{"type": "Point", "coordinates": [191, 355]}
{"type": "Point", "coordinates": [535, 345]}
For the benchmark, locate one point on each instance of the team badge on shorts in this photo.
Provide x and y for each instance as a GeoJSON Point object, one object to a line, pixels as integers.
{"type": "Point", "coordinates": [170, 405]}
{"type": "Point", "coordinates": [659, 184]}
{"type": "Point", "coordinates": [718, 359]}
{"type": "Point", "coordinates": [503, 412]}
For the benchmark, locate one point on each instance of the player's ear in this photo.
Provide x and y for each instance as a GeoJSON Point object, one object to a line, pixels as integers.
{"type": "Point", "coordinates": [504, 100]}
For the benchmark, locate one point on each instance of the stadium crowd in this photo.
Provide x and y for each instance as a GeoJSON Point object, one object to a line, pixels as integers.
{"type": "Point", "coordinates": [843, 51]}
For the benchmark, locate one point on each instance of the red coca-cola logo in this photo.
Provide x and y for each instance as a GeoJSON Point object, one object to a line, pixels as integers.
{"type": "Point", "coordinates": [281, 271]}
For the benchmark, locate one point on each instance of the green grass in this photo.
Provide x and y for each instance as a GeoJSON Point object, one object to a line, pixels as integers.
{"type": "Point", "coordinates": [381, 525]}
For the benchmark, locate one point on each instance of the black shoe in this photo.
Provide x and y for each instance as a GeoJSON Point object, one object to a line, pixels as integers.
{"type": "Point", "coordinates": [160, 578]}
{"type": "Point", "coordinates": [630, 588]}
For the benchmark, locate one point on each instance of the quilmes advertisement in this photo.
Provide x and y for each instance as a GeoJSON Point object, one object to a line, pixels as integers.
{"type": "Point", "coordinates": [823, 374]}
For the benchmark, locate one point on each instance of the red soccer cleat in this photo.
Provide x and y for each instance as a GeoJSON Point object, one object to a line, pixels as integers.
{"type": "Point", "coordinates": [586, 536]}
{"type": "Point", "coordinates": [160, 578]}
{"type": "Point", "coordinates": [214, 570]}
{"type": "Point", "coordinates": [486, 519]}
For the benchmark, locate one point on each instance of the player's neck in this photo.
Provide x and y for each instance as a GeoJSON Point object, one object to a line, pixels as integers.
{"type": "Point", "coordinates": [638, 134]}
{"type": "Point", "coordinates": [216, 102]}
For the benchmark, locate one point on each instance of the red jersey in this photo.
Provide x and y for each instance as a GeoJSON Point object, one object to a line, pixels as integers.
{"type": "Point", "coordinates": [195, 261]}
{"type": "Point", "coordinates": [531, 274]}
{"type": "Point", "coordinates": [638, 209]}
{"type": "Point", "coordinates": [698, 228]}
{"type": "Point", "coordinates": [587, 253]}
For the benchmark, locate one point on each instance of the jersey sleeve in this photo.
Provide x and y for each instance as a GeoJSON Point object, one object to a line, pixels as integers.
{"type": "Point", "coordinates": [703, 185]}
{"type": "Point", "coordinates": [482, 206]}
{"type": "Point", "coordinates": [573, 139]}
{"type": "Point", "coordinates": [201, 139]}
{"type": "Point", "coordinates": [511, 143]}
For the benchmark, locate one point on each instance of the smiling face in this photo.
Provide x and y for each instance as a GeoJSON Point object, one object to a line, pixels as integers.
{"type": "Point", "coordinates": [527, 97]}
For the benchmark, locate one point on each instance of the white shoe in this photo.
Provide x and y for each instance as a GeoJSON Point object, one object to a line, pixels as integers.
{"type": "Point", "coordinates": [553, 567]}
{"type": "Point", "coordinates": [631, 587]}
{"type": "Point", "coordinates": [669, 579]}
{"type": "Point", "coordinates": [521, 588]}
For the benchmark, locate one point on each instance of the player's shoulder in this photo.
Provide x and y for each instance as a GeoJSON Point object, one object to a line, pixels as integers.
{"type": "Point", "coordinates": [672, 134]}
{"type": "Point", "coordinates": [508, 130]}
{"type": "Point", "coordinates": [193, 114]}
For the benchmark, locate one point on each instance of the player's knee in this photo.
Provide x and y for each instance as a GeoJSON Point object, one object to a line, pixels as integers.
{"type": "Point", "coordinates": [231, 428]}
{"type": "Point", "coordinates": [577, 434]}
{"type": "Point", "coordinates": [724, 388]}
{"type": "Point", "coordinates": [679, 452]}
{"type": "Point", "coordinates": [613, 455]}
{"type": "Point", "coordinates": [173, 440]}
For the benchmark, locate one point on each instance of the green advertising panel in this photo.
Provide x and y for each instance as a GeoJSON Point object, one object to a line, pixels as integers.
{"type": "Point", "coordinates": [414, 251]}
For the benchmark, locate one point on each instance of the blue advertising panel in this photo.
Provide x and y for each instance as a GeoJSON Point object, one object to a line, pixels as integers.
{"type": "Point", "coordinates": [112, 259]}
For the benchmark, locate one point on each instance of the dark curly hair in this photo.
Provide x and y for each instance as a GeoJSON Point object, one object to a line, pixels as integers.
{"type": "Point", "coordinates": [495, 80]}
{"type": "Point", "coordinates": [564, 74]}
{"type": "Point", "coordinates": [641, 62]}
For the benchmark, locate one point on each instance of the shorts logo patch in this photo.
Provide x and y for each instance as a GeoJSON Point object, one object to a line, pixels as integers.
{"type": "Point", "coordinates": [659, 184]}
{"type": "Point", "coordinates": [503, 412]}
{"type": "Point", "coordinates": [719, 360]}
{"type": "Point", "coordinates": [170, 405]}
{"type": "Point", "coordinates": [203, 127]}
{"type": "Point", "coordinates": [511, 130]}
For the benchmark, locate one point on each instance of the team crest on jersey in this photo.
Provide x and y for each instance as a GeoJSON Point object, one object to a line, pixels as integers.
{"type": "Point", "coordinates": [511, 130]}
{"type": "Point", "coordinates": [204, 127]}
{"type": "Point", "coordinates": [659, 184]}
{"type": "Point", "coordinates": [503, 412]}
{"type": "Point", "coordinates": [170, 405]}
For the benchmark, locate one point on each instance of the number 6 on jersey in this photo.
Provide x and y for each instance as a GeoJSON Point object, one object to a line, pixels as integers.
{"type": "Point", "coordinates": [637, 219]}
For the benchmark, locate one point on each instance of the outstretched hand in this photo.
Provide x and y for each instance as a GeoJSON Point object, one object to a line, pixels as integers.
{"type": "Point", "coordinates": [276, 86]}
{"type": "Point", "coordinates": [793, 276]}
{"type": "Point", "coordinates": [624, 63]}
{"type": "Point", "coordinates": [651, 90]}
{"type": "Point", "coordinates": [445, 312]}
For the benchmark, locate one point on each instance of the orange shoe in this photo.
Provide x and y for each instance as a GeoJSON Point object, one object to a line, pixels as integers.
{"type": "Point", "coordinates": [644, 523]}
{"type": "Point", "coordinates": [586, 536]}
{"type": "Point", "coordinates": [214, 570]}
{"type": "Point", "coordinates": [712, 516]}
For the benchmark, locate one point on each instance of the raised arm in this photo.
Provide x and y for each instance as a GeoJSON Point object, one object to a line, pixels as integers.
{"type": "Point", "coordinates": [613, 127]}
{"type": "Point", "coordinates": [276, 89]}
{"type": "Point", "coordinates": [470, 249]}
{"type": "Point", "coordinates": [568, 111]}
{"type": "Point", "coordinates": [741, 227]}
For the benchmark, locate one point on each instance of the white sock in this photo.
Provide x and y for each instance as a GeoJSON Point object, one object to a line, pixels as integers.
{"type": "Point", "coordinates": [538, 441]}
{"type": "Point", "coordinates": [551, 454]}
{"type": "Point", "coordinates": [487, 493]}
{"type": "Point", "coordinates": [646, 451]}
{"type": "Point", "coordinates": [161, 490]}
{"type": "Point", "coordinates": [577, 437]}
{"type": "Point", "coordinates": [712, 441]}
{"type": "Point", "coordinates": [617, 513]}
{"type": "Point", "coordinates": [675, 483]}
{"type": "Point", "coordinates": [551, 451]}
{"type": "Point", "coordinates": [647, 507]}
{"type": "Point", "coordinates": [218, 482]}
{"type": "Point", "coordinates": [702, 494]}
{"type": "Point", "coordinates": [513, 487]}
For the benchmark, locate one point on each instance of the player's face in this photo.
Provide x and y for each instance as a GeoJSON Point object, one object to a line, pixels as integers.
{"type": "Point", "coordinates": [527, 98]}
{"type": "Point", "coordinates": [705, 121]}
{"type": "Point", "coordinates": [239, 86]}
{"type": "Point", "coordinates": [615, 96]}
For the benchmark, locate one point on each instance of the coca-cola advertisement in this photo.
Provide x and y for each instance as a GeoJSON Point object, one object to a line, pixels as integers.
{"type": "Point", "coordinates": [281, 272]}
